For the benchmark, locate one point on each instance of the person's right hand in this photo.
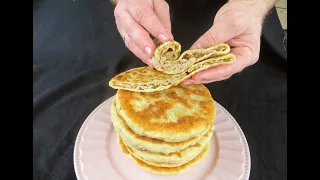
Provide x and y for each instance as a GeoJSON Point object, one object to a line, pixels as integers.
{"type": "Point", "coordinates": [137, 19]}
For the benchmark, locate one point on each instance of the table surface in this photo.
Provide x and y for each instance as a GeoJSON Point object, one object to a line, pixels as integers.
{"type": "Point", "coordinates": [77, 50]}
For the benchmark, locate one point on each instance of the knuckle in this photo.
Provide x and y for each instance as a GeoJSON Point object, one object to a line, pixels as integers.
{"type": "Point", "coordinates": [128, 43]}
{"type": "Point", "coordinates": [247, 52]}
{"type": "Point", "coordinates": [152, 28]}
{"type": "Point", "coordinates": [140, 14]}
{"type": "Point", "coordinates": [236, 25]}
{"type": "Point", "coordinates": [128, 29]}
{"type": "Point", "coordinates": [139, 41]}
{"type": "Point", "coordinates": [116, 12]}
{"type": "Point", "coordinates": [120, 30]}
{"type": "Point", "coordinates": [254, 60]}
{"type": "Point", "coordinates": [212, 38]}
{"type": "Point", "coordinates": [234, 15]}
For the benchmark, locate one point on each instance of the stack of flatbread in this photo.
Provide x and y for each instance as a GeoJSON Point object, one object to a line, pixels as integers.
{"type": "Point", "coordinates": [163, 126]}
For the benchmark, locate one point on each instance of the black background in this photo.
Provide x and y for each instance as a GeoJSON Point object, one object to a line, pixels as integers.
{"type": "Point", "coordinates": [77, 49]}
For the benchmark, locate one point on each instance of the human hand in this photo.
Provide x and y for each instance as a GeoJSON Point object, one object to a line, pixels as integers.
{"type": "Point", "coordinates": [137, 19]}
{"type": "Point", "coordinates": [237, 23]}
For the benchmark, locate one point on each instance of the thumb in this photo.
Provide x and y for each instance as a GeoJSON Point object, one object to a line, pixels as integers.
{"type": "Point", "coordinates": [220, 32]}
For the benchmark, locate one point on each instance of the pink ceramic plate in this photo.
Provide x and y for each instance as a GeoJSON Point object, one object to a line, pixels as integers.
{"type": "Point", "coordinates": [97, 155]}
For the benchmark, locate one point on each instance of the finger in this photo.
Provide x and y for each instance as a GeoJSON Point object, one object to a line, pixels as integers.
{"type": "Point", "coordinates": [134, 49]}
{"type": "Point", "coordinates": [213, 74]}
{"type": "Point", "coordinates": [210, 81]}
{"type": "Point", "coordinates": [187, 82]}
{"type": "Point", "coordinates": [220, 32]}
{"type": "Point", "coordinates": [248, 46]}
{"type": "Point", "coordinates": [143, 14]}
{"type": "Point", "coordinates": [191, 81]}
{"type": "Point", "coordinates": [161, 9]}
{"type": "Point", "coordinates": [243, 59]}
{"type": "Point", "coordinates": [139, 36]}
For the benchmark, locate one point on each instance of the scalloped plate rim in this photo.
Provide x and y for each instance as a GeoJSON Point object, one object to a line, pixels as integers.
{"type": "Point", "coordinates": [77, 154]}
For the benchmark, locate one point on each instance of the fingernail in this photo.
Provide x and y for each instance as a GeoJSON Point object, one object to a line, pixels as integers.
{"type": "Point", "coordinates": [207, 81]}
{"type": "Point", "coordinates": [148, 50]}
{"type": "Point", "coordinates": [162, 38]}
{"type": "Point", "coordinates": [198, 45]}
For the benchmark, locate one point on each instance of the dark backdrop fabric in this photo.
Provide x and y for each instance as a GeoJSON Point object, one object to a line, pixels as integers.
{"type": "Point", "coordinates": [77, 50]}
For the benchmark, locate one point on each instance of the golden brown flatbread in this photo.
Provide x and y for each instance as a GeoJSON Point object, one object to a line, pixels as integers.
{"type": "Point", "coordinates": [171, 67]}
{"type": "Point", "coordinates": [164, 170]}
{"type": "Point", "coordinates": [172, 115]}
{"type": "Point", "coordinates": [167, 57]}
{"type": "Point", "coordinates": [178, 158]}
{"type": "Point", "coordinates": [150, 144]}
{"type": "Point", "coordinates": [146, 79]}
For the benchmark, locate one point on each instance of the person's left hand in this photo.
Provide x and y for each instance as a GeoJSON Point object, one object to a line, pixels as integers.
{"type": "Point", "coordinates": [238, 24]}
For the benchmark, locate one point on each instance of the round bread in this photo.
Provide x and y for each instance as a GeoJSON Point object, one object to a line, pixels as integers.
{"type": "Point", "coordinates": [180, 157]}
{"type": "Point", "coordinates": [164, 170]}
{"type": "Point", "coordinates": [141, 142]}
{"type": "Point", "coordinates": [172, 115]}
